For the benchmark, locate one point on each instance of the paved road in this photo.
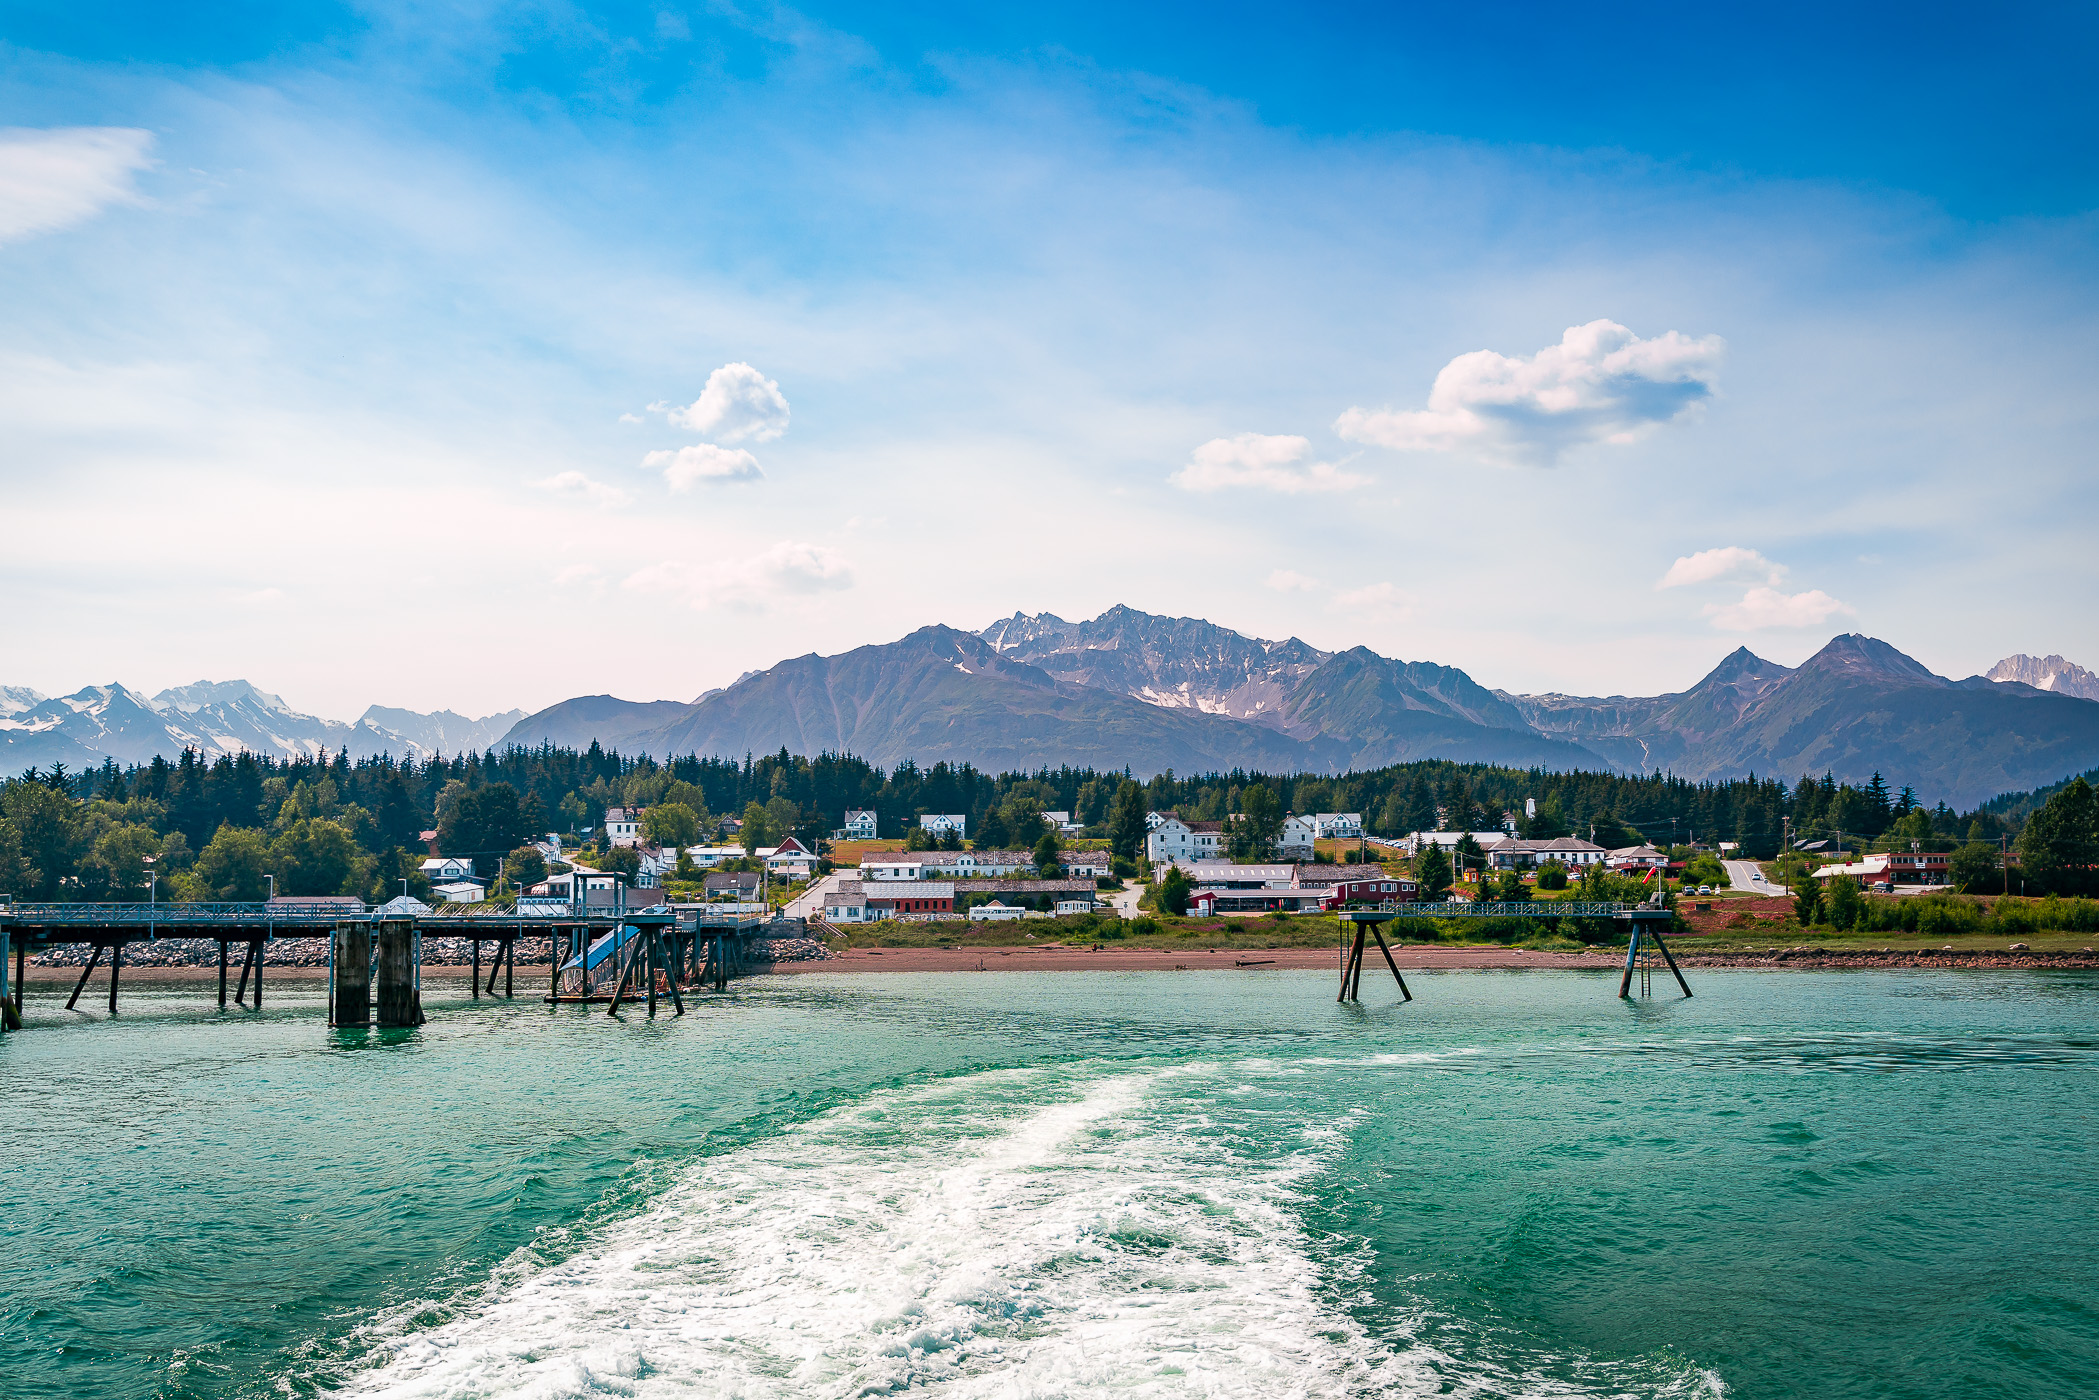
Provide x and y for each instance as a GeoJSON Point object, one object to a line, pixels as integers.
{"type": "Point", "coordinates": [810, 902]}
{"type": "Point", "coordinates": [1125, 899]}
{"type": "Point", "coordinates": [1745, 875]}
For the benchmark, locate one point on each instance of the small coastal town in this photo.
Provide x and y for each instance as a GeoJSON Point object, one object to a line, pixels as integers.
{"type": "Point", "coordinates": [832, 701]}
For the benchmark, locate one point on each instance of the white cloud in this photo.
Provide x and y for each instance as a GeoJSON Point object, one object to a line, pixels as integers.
{"type": "Point", "coordinates": [1762, 608]}
{"type": "Point", "coordinates": [1728, 562]}
{"type": "Point", "coordinates": [56, 178]}
{"type": "Point", "coordinates": [1268, 461]}
{"type": "Point", "coordinates": [790, 567]}
{"type": "Point", "coordinates": [1289, 581]}
{"type": "Point", "coordinates": [704, 462]}
{"type": "Point", "coordinates": [1376, 597]}
{"type": "Point", "coordinates": [583, 487]}
{"type": "Point", "coordinates": [1601, 383]}
{"type": "Point", "coordinates": [738, 403]}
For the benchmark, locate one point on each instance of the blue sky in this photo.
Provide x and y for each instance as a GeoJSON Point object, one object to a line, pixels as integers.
{"type": "Point", "coordinates": [359, 350]}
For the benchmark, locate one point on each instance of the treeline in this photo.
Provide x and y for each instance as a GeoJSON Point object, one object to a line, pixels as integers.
{"type": "Point", "coordinates": [216, 828]}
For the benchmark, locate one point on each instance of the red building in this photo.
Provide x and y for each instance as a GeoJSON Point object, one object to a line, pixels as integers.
{"type": "Point", "coordinates": [1388, 890]}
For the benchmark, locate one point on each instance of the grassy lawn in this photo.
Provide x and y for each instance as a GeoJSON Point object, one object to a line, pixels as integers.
{"type": "Point", "coordinates": [1233, 932]}
{"type": "Point", "coordinates": [1790, 935]}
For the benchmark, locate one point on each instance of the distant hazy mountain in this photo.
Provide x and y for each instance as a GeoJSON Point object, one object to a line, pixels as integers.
{"type": "Point", "coordinates": [16, 698]}
{"type": "Point", "coordinates": [2048, 673]}
{"type": "Point", "coordinates": [214, 717]}
{"type": "Point", "coordinates": [443, 732]}
{"type": "Point", "coordinates": [1155, 692]}
{"type": "Point", "coordinates": [1855, 707]}
{"type": "Point", "coordinates": [1125, 689]}
{"type": "Point", "coordinates": [1173, 662]}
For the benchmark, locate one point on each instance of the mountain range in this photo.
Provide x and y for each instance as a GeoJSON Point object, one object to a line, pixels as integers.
{"type": "Point", "coordinates": [1155, 693]}
{"type": "Point", "coordinates": [1152, 693]}
{"type": "Point", "coordinates": [2048, 673]}
{"type": "Point", "coordinates": [214, 717]}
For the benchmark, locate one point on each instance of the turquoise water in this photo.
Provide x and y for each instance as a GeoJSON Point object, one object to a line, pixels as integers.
{"type": "Point", "coordinates": [1070, 1184]}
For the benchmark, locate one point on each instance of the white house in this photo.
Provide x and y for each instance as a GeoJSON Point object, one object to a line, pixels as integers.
{"type": "Point", "coordinates": [1298, 835]}
{"type": "Point", "coordinates": [893, 865]}
{"type": "Point", "coordinates": [790, 859]}
{"type": "Point", "coordinates": [939, 823]}
{"type": "Point", "coordinates": [707, 857]}
{"type": "Point", "coordinates": [1174, 839]}
{"type": "Point", "coordinates": [1152, 819]}
{"type": "Point", "coordinates": [1570, 851]}
{"type": "Point", "coordinates": [860, 824]}
{"type": "Point", "coordinates": [1338, 825]}
{"type": "Point", "coordinates": [1094, 863]}
{"type": "Point", "coordinates": [464, 892]}
{"type": "Point", "coordinates": [444, 870]}
{"type": "Point", "coordinates": [1419, 841]}
{"type": "Point", "coordinates": [1061, 821]}
{"type": "Point", "coordinates": [1639, 858]}
{"type": "Point", "coordinates": [975, 863]}
{"type": "Point", "coordinates": [623, 825]}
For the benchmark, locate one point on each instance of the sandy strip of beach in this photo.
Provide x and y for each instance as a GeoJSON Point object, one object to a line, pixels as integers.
{"type": "Point", "coordinates": [1411, 958]}
{"type": "Point", "coordinates": [1084, 959]}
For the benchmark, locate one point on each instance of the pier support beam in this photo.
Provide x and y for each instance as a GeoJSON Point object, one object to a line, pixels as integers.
{"type": "Point", "coordinates": [10, 1010]}
{"type": "Point", "coordinates": [352, 1004]}
{"type": "Point", "coordinates": [400, 999]}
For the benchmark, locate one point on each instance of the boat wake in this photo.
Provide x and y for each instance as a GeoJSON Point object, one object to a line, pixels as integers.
{"type": "Point", "coordinates": [1046, 1232]}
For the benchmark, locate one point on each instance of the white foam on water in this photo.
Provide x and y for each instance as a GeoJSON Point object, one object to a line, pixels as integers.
{"type": "Point", "coordinates": [1016, 1234]}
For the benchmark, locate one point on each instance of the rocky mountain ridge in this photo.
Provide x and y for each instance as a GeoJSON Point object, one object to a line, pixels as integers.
{"type": "Point", "coordinates": [1131, 688]}
{"type": "Point", "coordinates": [101, 722]}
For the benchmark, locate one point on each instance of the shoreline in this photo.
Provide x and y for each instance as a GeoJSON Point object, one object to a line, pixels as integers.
{"type": "Point", "coordinates": [1410, 957]}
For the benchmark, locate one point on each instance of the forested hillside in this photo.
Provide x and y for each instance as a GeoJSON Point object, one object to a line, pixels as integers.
{"type": "Point", "coordinates": [216, 829]}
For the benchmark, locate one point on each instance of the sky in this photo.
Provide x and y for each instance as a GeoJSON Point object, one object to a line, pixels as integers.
{"type": "Point", "coordinates": [476, 356]}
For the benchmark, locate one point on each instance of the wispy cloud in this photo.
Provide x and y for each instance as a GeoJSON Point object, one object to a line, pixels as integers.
{"type": "Point", "coordinates": [738, 404]}
{"type": "Point", "coordinates": [580, 486]}
{"type": "Point", "coordinates": [56, 178]}
{"type": "Point", "coordinates": [704, 463]}
{"type": "Point", "coordinates": [1376, 597]}
{"type": "Point", "coordinates": [1261, 461]}
{"type": "Point", "coordinates": [1764, 608]}
{"type": "Point", "coordinates": [789, 569]}
{"type": "Point", "coordinates": [1601, 383]}
{"type": "Point", "coordinates": [1727, 562]}
{"type": "Point", "coordinates": [1290, 581]}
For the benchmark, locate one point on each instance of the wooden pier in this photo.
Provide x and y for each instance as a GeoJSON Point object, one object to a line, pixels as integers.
{"type": "Point", "coordinates": [375, 958]}
{"type": "Point", "coordinates": [1644, 925]}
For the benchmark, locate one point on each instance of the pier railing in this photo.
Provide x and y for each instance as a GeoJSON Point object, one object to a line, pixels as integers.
{"type": "Point", "coordinates": [1524, 909]}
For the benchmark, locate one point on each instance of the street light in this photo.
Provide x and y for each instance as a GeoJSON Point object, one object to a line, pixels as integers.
{"type": "Point", "coordinates": [152, 899]}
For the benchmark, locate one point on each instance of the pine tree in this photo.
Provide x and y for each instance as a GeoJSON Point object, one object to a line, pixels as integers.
{"type": "Point", "coordinates": [2059, 849]}
{"type": "Point", "coordinates": [1432, 873]}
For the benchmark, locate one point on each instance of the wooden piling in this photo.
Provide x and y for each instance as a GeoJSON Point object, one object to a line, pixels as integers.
{"type": "Point", "coordinates": [1378, 934]}
{"type": "Point", "coordinates": [240, 993]}
{"type": "Point", "coordinates": [260, 949]}
{"type": "Point", "coordinates": [116, 965]}
{"type": "Point", "coordinates": [475, 980]}
{"type": "Point", "coordinates": [353, 974]}
{"type": "Point", "coordinates": [1352, 969]}
{"type": "Point", "coordinates": [222, 974]}
{"type": "Point", "coordinates": [398, 1002]}
{"type": "Point", "coordinates": [85, 972]}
